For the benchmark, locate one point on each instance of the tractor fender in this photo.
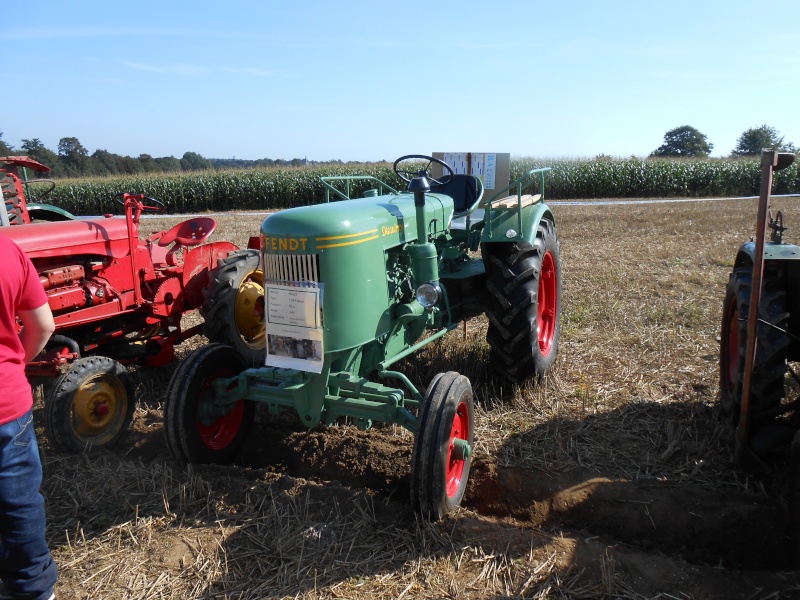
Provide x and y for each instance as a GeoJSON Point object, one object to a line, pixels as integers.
{"type": "Point", "coordinates": [504, 224]}
{"type": "Point", "coordinates": [197, 263]}
{"type": "Point", "coordinates": [48, 212]}
{"type": "Point", "coordinates": [747, 253]}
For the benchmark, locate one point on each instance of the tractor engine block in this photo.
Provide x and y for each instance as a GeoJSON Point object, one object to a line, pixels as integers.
{"type": "Point", "coordinates": [68, 288]}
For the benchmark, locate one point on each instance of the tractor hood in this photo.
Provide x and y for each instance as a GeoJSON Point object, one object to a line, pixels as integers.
{"type": "Point", "coordinates": [104, 237]}
{"type": "Point", "coordinates": [385, 221]}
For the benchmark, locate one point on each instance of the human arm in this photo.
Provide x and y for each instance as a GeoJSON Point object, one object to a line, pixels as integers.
{"type": "Point", "coordinates": [37, 327]}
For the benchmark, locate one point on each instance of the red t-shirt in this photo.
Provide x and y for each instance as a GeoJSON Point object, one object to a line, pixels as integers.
{"type": "Point", "coordinates": [20, 289]}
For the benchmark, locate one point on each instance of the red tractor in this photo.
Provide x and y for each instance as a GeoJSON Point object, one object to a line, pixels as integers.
{"type": "Point", "coordinates": [119, 300]}
{"type": "Point", "coordinates": [16, 210]}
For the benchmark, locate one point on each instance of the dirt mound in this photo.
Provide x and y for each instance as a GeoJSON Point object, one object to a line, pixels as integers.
{"type": "Point", "coordinates": [695, 524]}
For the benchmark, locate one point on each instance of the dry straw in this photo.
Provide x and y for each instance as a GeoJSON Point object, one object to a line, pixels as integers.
{"type": "Point", "coordinates": [632, 402]}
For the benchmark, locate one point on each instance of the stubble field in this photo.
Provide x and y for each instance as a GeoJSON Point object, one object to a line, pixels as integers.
{"type": "Point", "coordinates": [612, 479]}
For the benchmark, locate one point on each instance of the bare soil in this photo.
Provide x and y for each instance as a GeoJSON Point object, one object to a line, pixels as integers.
{"type": "Point", "coordinates": [612, 479]}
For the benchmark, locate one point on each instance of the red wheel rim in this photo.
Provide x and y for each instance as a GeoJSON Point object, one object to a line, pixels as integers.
{"type": "Point", "coordinates": [731, 359]}
{"type": "Point", "coordinates": [455, 466]}
{"type": "Point", "coordinates": [221, 432]}
{"type": "Point", "coordinates": [547, 308]}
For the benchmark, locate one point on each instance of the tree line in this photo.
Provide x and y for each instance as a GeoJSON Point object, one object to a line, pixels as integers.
{"type": "Point", "coordinates": [72, 159]}
{"type": "Point", "coordinates": [686, 141]}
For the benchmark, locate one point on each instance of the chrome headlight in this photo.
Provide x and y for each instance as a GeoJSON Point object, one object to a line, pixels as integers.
{"type": "Point", "coordinates": [428, 294]}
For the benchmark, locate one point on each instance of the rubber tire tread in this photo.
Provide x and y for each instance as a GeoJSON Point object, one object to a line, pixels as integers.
{"type": "Point", "coordinates": [770, 366]}
{"type": "Point", "coordinates": [431, 441]}
{"type": "Point", "coordinates": [59, 397]}
{"type": "Point", "coordinates": [793, 498]}
{"type": "Point", "coordinates": [180, 426]}
{"type": "Point", "coordinates": [513, 272]}
{"type": "Point", "coordinates": [219, 306]}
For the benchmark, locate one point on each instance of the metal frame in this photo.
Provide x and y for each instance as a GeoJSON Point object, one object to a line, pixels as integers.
{"type": "Point", "coordinates": [345, 195]}
{"type": "Point", "coordinates": [771, 161]}
{"type": "Point", "coordinates": [520, 184]}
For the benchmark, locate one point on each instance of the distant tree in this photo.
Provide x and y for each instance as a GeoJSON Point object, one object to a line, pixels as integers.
{"type": "Point", "coordinates": [684, 141]}
{"type": "Point", "coordinates": [752, 141]}
{"type": "Point", "coordinates": [5, 149]}
{"type": "Point", "coordinates": [127, 165]}
{"type": "Point", "coordinates": [192, 161]}
{"type": "Point", "coordinates": [104, 163]}
{"type": "Point", "coordinates": [37, 151]}
{"type": "Point", "coordinates": [149, 165]}
{"type": "Point", "coordinates": [168, 164]}
{"type": "Point", "coordinates": [73, 155]}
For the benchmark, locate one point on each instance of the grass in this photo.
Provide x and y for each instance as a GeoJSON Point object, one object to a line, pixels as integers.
{"type": "Point", "coordinates": [632, 398]}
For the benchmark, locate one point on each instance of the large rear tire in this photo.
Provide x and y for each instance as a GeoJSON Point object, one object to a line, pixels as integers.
{"type": "Point", "coordinates": [524, 309]}
{"type": "Point", "coordinates": [196, 430]}
{"type": "Point", "coordinates": [443, 444]}
{"type": "Point", "coordinates": [770, 366]}
{"type": "Point", "coordinates": [90, 405]}
{"type": "Point", "coordinates": [234, 306]}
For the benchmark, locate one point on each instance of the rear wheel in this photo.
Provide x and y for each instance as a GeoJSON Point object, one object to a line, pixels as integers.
{"type": "Point", "coordinates": [770, 366]}
{"type": "Point", "coordinates": [234, 306]}
{"type": "Point", "coordinates": [443, 445]}
{"type": "Point", "coordinates": [90, 405]}
{"type": "Point", "coordinates": [197, 430]}
{"type": "Point", "coordinates": [524, 309]}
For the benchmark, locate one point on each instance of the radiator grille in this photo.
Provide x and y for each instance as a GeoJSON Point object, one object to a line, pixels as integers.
{"type": "Point", "coordinates": [293, 268]}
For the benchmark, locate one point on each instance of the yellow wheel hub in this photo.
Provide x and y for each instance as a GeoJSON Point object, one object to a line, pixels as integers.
{"type": "Point", "coordinates": [99, 403]}
{"type": "Point", "coordinates": [250, 310]}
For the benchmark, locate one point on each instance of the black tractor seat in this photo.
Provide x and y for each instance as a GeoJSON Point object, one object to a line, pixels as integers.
{"type": "Point", "coordinates": [465, 190]}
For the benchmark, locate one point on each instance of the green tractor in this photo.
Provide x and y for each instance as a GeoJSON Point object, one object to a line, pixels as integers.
{"type": "Point", "coordinates": [757, 381]}
{"type": "Point", "coordinates": [354, 286]}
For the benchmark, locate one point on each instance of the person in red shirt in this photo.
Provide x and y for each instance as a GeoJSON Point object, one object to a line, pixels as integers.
{"type": "Point", "coordinates": [27, 571]}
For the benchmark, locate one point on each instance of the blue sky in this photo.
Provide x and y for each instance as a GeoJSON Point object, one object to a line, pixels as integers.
{"type": "Point", "coordinates": [374, 80]}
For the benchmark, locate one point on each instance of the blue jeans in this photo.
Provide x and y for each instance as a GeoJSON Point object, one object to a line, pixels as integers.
{"type": "Point", "coordinates": [26, 567]}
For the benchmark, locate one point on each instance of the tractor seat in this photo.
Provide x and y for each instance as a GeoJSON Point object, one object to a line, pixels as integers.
{"type": "Point", "coordinates": [463, 189]}
{"type": "Point", "coordinates": [189, 233]}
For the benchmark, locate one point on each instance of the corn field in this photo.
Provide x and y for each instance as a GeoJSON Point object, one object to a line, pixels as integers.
{"type": "Point", "coordinates": [278, 188]}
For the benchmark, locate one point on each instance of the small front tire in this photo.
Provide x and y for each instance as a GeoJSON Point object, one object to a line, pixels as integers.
{"type": "Point", "coordinates": [90, 405]}
{"type": "Point", "coordinates": [443, 445]}
{"type": "Point", "coordinates": [197, 431]}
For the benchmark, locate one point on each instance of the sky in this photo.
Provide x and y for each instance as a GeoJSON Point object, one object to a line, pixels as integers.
{"type": "Point", "coordinates": [374, 80]}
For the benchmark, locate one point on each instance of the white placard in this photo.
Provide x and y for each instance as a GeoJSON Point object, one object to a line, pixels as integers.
{"type": "Point", "coordinates": [294, 327]}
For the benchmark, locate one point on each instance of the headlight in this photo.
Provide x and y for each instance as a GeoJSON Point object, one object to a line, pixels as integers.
{"type": "Point", "coordinates": [428, 294]}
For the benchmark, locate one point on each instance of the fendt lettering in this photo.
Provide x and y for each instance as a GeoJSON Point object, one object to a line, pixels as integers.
{"type": "Point", "coordinates": [272, 244]}
{"type": "Point", "coordinates": [380, 299]}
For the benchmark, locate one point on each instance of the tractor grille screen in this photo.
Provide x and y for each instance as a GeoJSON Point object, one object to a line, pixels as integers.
{"type": "Point", "coordinates": [295, 268]}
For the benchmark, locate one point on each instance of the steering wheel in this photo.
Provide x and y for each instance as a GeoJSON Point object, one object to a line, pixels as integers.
{"type": "Point", "coordinates": [155, 205]}
{"type": "Point", "coordinates": [49, 182]}
{"type": "Point", "coordinates": [407, 175]}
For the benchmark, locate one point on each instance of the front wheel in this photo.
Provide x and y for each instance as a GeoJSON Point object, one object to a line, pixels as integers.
{"type": "Point", "coordinates": [443, 445]}
{"type": "Point", "coordinates": [234, 306]}
{"type": "Point", "coordinates": [197, 429]}
{"type": "Point", "coordinates": [770, 366]}
{"type": "Point", "coordinates": [524, 308]}
{"type": "Point", "coordinates": [90, 405]}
